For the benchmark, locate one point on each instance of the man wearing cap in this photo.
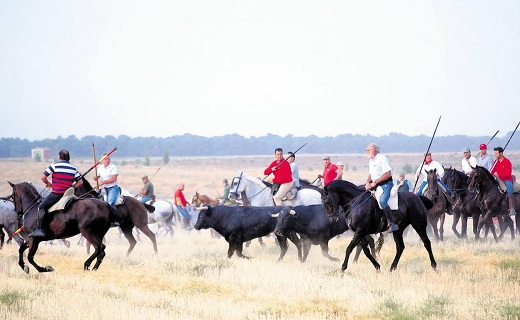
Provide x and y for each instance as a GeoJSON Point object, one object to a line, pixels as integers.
{"type": "Point", "coordinates": [339, 172]}
{"type": "Point", "coordinates": [147, 191]}
{"type": "Point", "coordinates": [484, 159]}
{"type": "Point", "coordinates": [329, 171]}
{"type": "Point", "coordinates": [468, 162]}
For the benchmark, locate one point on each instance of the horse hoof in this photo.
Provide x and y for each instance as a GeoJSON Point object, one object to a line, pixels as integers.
{"type": "Point", "coordinates": [49, 269]}
{"type": "Point", "coordinates": [26, 269]}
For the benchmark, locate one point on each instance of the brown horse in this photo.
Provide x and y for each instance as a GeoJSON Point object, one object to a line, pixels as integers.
{"type": "Point", "coordinates": [90, 217]}
{"type": "Point", "coordinates": [203, 200]}
{"type": "Point", "coordinates": [132, 211]}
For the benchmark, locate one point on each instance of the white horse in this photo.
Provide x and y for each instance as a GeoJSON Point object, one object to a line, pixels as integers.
{"type": "Point", "coordinates": [163, 215]}
{"type": "Point", "coordinates": [259, 194]}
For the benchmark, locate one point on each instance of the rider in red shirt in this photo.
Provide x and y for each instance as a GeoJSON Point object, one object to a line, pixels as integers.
{"type": "Point", "coordinates": [282, 175]}
{"type": "Point", "coordinates": [329, 171]}
{"type": "Point", "coordinates": [503, 169]}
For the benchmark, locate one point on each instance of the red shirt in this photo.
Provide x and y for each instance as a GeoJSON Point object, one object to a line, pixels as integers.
{"type": "Point", "coordinates": [504, 169]}
{"type": "Point", "coordinates": [329, 173]}
{"type": "Point", "coordinates": [179, 194]}
{"type": "Point", "coordinates": [281, 175]}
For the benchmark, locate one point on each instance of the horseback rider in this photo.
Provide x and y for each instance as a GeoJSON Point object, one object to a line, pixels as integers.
{"type": "Point", "coordinates": [63, 175]}
{"type": "Point", "coordinates": [380, 174]}
{"type": "Point", "coordinates": [107, 176]}
{"type": "Point", "coordinates": [283, 181]}
{"type": "Point", "coordinates": [503, 169]}
{"type": "Point", "coordinates": [428, 165]}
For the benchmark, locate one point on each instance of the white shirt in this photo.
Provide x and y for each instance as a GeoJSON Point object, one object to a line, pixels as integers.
{"type": "Point", "coordinates": [106, 173]}
{"type": "Point", "coordinates": [427, 167]}
{"type": "Point", "coordinates": [467, 164]}
{"type": "Point", "coordinates": [378, 166]}
{"type": "Point", "coordinates": [295, 174]}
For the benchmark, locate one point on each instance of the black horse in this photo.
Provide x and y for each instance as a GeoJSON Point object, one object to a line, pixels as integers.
{"type": "Point", "coordinates": [364, 217]}
{"type": "Point", "coordinates": [437, 214]}
{"type": "Point", "coordinates": [132, 211]}
{"type": "Point", "coordinates": [90, 217]}
{"type": "Point", "coordinates": [491, 201]}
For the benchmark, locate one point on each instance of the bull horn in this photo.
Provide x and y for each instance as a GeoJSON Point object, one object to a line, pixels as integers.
{"type": "Point", "coordinates": [201, 208]}
{"type": "Point", "coordinates": [275, 215]}
{"type": "Point", "coordinates": [292, 212]}
{"type": "Point", "coordinates": [12, 185]}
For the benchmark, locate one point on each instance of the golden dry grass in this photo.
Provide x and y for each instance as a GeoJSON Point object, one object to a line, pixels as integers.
{"type": "Point", "coordinates": [191, 278]}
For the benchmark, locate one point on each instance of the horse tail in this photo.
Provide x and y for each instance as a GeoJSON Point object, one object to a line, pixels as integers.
{"type": "Point", "coordinates": [379, 243]}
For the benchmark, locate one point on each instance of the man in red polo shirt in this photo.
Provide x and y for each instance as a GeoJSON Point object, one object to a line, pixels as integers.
{"type": "Point", "coordinates": [503, 169]}
{"type": "Point", "coordinates": [282, 176]}
{"type": "Point", "coordinates": [329, 171]}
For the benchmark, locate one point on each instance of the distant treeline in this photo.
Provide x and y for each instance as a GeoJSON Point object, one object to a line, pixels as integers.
{"type": "Point", "coordinates": [233, 144]}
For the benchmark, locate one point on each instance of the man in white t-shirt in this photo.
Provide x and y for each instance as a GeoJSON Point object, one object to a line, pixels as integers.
{"type": "Point", "coordinates": [468, 162]}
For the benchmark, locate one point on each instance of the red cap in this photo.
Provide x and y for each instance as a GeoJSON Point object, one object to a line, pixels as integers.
{"type": "Point", "coordinates": [483, 146]}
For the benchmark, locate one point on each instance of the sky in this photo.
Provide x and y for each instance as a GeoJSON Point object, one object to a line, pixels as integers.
{"type": "Point", "coordinates": [212, 68]}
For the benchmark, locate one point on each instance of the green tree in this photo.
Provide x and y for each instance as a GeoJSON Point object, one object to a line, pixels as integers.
{"type": "Point", "coordinates": [166, 157]}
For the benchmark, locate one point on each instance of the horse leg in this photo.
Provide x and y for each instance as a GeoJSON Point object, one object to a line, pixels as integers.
{"type": "Point", "coordinates": [428, 245]}
{"type": "Point", "coordinates": [33, 247]}
{"type": "Point", "coordinates": [399, 248]}
{"type": "Point", "coordinates": [366, 251]}
{"type": "Point", "coordinates": [456, 218]}
{"type": "Point", "coordinates": [21, 263]}
{"type": "Point", "coordinates": [433, 223]}
{"type": "Point", "coordinates": [441, 226]}
{"type": "Point", "coordinates": [464, 229]}
{"type": "Point", "coordinates": [325, 251]}
{"type": "Point", "coordinates": [149, 234]}
{"type": "Point", "coordinates": [127, 231]}
{"type": "Point", "coordinates": [358, 252]}
{"type": "Point", "coordinates": [99, 252]}
{"type": "Point", "coordinates": [2, 236]}
{"type": "Point", "coordinates": [476, 230]}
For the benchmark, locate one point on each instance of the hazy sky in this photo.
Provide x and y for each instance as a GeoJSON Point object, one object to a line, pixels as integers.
{"type": "Point", "coordinates": [210, 68]}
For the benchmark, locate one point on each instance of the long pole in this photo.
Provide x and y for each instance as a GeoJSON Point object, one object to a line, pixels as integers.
{"type": "Point", "coordinates": [427, 151]}
{"type": "Point", "coordinates": [496, 160]}
{"type": "Point", "coordinates": [492, 137]}
{"type": "Point", "coordinates": [512, 134]}
{"type": "Point", "coordinates": [95, 160]}
{"type": "Point", "coordinates": [284, 161]}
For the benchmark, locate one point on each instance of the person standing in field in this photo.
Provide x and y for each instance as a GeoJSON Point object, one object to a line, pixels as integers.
{"type": "Point", "coordinates": [182, 206]}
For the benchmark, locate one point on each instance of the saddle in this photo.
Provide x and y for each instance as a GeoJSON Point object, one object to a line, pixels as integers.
{"type": "Point", "coordinates": [290, 195]}
{"type": "Point", "coordinates": [393, 201]}
{"type": "Point", "coordinates": [62, 204]}
{"type": "Point", "coordinates": [120, 200]}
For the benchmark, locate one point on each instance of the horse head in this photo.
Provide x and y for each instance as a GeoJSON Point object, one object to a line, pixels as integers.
{"type": "Point", "coordinates": [480, 178]}
{"type": "Point", "coordinates": [195, 201]}
{"type": "Point", "coordinates": [236, 187]}
{"type": "Point", "coordinates": [24, 194]}
{"type": "Point", "coordinates": [431, 178]}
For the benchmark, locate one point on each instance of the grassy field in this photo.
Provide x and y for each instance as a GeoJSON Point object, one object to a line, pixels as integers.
{"type": "Point", "coordinates": [191, 278]}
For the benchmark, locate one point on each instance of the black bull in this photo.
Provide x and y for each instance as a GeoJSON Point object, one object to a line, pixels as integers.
{"type": "Point", "coordinates": [241, 224]}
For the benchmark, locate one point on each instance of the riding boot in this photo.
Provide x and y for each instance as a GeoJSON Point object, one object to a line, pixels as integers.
{"type": "Point", "coordinates": [512, 203]}
{"type": "Point", "coordinates": [38, 232]}
{"type": "Point", "coordinates": [115, 216]}
{"type": "Point", "coordinates": [391, 221]}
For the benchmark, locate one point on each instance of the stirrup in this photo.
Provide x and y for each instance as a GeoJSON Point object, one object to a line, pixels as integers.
{"type": "Point", "coordinates": [38, 233]}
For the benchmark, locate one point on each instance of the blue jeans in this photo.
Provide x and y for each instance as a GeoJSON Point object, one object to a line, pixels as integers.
{"type": "Point", "coordinates": [387, 187]}
{"type": "Point", "coordinates": [509, 187]}
{"type": "Point", "coordinates": [112, 194]}
{"type": "Point", "coordinates": [425, 183]}
{"type": "Point", "coordinates": [145, 199]}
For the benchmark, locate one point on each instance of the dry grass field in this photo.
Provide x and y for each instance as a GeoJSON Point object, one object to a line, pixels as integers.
{"type": "Point", "coordinates": [191, 278]}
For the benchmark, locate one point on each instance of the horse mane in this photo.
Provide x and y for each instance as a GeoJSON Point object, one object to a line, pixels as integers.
{"type": "Point", "coordinates": [488, 174]}
{"type": "Point", "coordinates": [256, 181]}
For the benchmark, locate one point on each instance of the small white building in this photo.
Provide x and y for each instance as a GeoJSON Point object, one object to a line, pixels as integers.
{"type": "Point", "coordinates": [43, 154]}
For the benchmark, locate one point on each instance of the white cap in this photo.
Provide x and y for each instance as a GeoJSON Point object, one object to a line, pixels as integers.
{"type": "Point", "coordinates": [340, 163]}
